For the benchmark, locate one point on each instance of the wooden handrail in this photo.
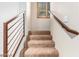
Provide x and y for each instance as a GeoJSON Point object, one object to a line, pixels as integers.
{"type": "Point", "coordinates": [63, 25]}
{"type": "Point", "coordinates": [20, 29]}
{"type": "Point", "coordinates": [5, 40]}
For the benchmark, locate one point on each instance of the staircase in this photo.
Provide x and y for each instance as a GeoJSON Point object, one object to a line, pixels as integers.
{"type": "Point", "coordinates": [39, 44]}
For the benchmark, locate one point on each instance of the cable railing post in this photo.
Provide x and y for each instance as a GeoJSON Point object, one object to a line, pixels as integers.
{"type": "Point", "coordinates": [5, 41]}
{"type": "Point", "coordinates": [24, 23]}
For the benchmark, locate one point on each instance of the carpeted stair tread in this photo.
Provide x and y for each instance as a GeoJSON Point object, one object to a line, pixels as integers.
{"type": "Point", "coordinates": [41, 43]}
{"type": "Point", "coordinates": [41, 52]}
{"type": "Point", "coordinates": [40, 37]}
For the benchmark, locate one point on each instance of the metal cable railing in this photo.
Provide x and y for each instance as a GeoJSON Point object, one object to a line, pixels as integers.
{"type": "Point", "coordinates": [14, 31]}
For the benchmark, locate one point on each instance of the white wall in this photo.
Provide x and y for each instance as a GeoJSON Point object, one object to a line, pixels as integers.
{"type": "Point", "coordinates": [22, 6]}
{"type": "Point", "coordinates": [38, 23]}
{"type": "Point", "coordinates": [28, 16]}
{"type": "Point", "coordinates": [66, 46]}
{"type": "Point", "coordinates": [1, 36]}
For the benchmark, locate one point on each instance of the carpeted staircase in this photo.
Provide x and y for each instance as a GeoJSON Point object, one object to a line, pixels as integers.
{"type": "Point", "coordinates": [39, 44]}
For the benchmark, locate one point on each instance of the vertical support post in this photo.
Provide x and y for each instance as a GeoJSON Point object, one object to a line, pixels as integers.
{"type": "Point", "coordinates": [5, 36]}
{"type": "Point", "coordinates": [24, 23]}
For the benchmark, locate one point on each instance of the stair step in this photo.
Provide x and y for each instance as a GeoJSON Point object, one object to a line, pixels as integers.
{"type": "Point", "coordinates": [39, 32]}
{"type": "Point", "coordinates": [40, 37]}
{"type": "Point", "coordinates": [41, 43]}
{"type": "Point", "coordinates": [41, 52]}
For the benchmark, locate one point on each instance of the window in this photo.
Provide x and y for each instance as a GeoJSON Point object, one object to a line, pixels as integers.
{"type": "Point", "coordinates": [42, 9]}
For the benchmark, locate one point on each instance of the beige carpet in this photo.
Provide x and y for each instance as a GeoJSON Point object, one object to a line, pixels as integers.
{"type": "Point", "coordinates": [41, 45]}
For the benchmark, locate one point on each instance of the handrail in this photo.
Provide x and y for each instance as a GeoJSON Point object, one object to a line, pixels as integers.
{"type": "Point", "coordinates": [12, 40]}
{"type": "Point", "coordinates": [63, 25]}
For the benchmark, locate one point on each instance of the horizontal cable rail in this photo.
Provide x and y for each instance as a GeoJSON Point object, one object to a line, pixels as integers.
{"type": "Point", "coordinates": [14, 31]}
{"type": "Point", "coordinates": [63, 25]}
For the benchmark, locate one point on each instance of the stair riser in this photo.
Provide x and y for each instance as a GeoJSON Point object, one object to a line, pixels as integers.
{"type": "Point", "coordinates": [40, 39]}
{"type": "Point", "coordinates": [39, 32]}
{"type": "Point", "coordinates": [41, 45]}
